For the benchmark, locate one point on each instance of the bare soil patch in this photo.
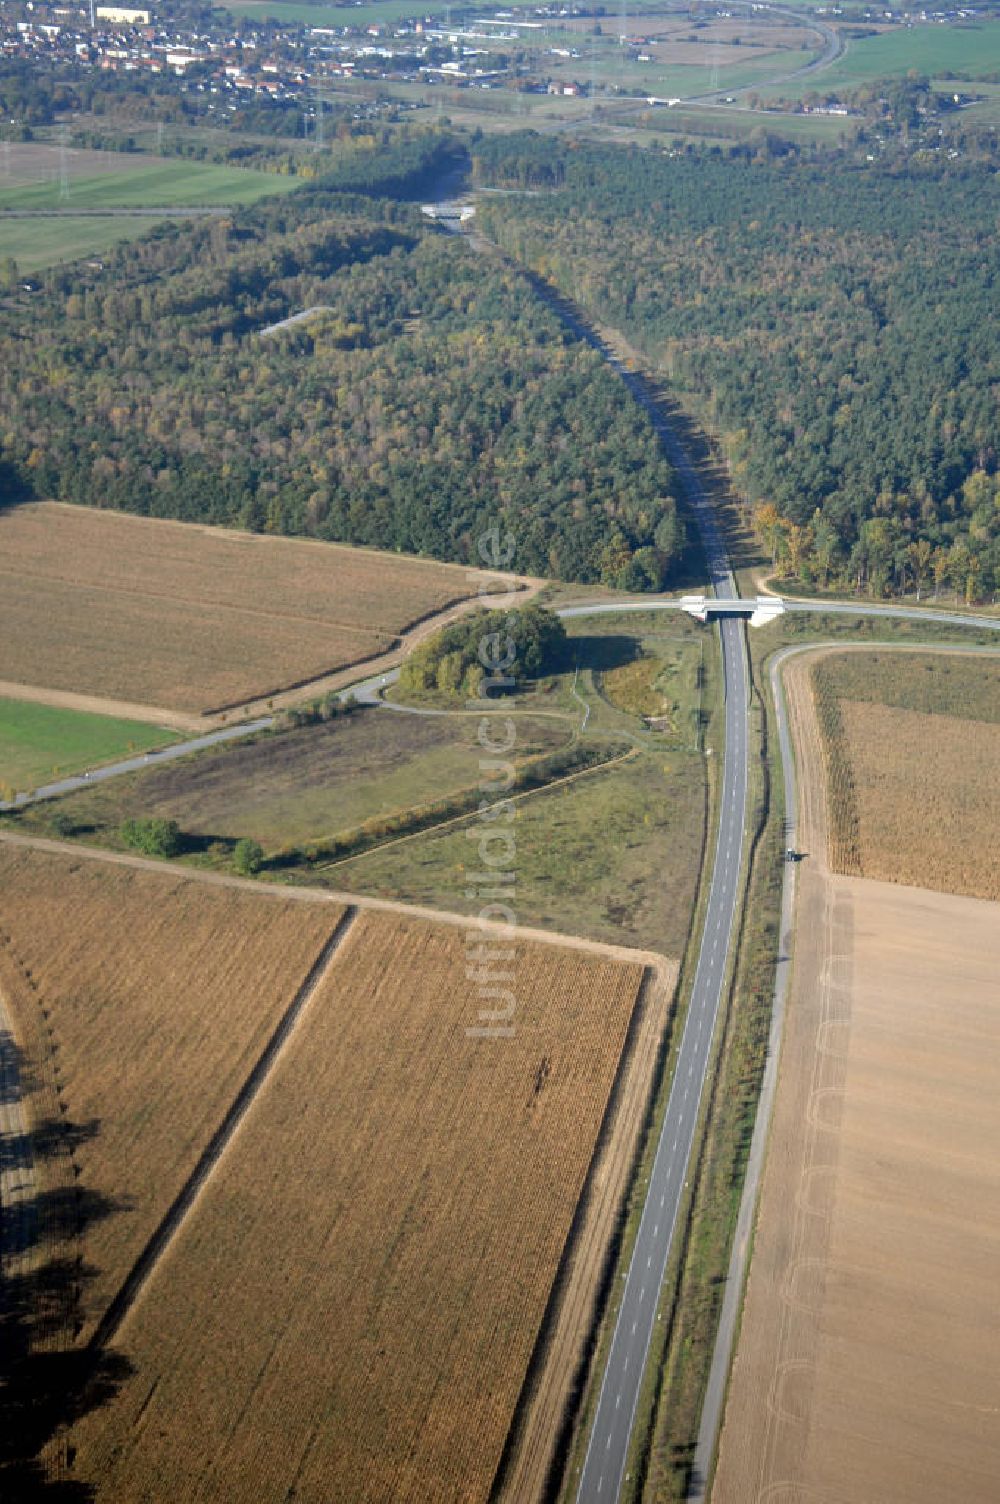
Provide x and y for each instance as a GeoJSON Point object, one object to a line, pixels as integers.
{"type": "Point", "coordinates": [350, 1309]}
{"type": "Point", "coordinates": [866, 1360]}
{"type": "Point", "coordinates": [193, 619]}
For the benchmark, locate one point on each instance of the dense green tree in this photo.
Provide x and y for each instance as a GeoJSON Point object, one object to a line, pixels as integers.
{"type": "Point", "coordinates": [248, 857]}
{"type": "Point", "coordinates": [489, 652]}
{"type": "Point", "coordinates": [154, 836]}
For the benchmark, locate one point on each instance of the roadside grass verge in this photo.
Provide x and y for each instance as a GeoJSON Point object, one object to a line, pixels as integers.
{"type": "Point", "coordinates": [804, 627]}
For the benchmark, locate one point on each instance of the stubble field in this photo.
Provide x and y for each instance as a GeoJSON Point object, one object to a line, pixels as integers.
{"type": "Point", "coordinates": [349, 1301]}
{"type": "Point", "coordinates": [350, 1308]}
{"type": "Point", "coordinates": [143, 999]}
{"type": "Point", "coordinates": [912, 747]}
{"type": "Point", "coordinates": [191, 619]}
{"type": "Point", "coordinates": [865, 1367]}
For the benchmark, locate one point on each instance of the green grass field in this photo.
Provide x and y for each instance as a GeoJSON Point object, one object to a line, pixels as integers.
{"type": "Point", "coordinates": [682, 80]}
{"type": "Point", "coordinates": [37, 243]}
{"type": "Point", "coordinates": [158, 184]}
{"type": "Point", "coordinates": [932, 50]}
{"type": "Point", "coordinates": [369, 14]}
{"type": "Point", "coordinates": [40, 742]}
{"type": "Point", "coordinates": [722, 124]}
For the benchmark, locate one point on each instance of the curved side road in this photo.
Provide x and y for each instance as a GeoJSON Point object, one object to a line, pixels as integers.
{"type": "Point", "coordinates": [371, 691]}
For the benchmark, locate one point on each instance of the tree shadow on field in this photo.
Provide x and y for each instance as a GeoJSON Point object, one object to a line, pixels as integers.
{"type": "Point", "coordinates": [603, 653]}
{"type": "Point", "coordinates": [48, 1380]}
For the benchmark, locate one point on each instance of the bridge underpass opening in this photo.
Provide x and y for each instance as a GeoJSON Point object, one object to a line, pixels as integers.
{"type": "Point", "coordinates": [708, 608]}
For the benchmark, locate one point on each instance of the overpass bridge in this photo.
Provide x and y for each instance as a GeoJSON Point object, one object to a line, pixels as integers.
{"type": "Point", "coordinates": [709, 608]}
{"type": "Point", "coordinates": [449, 213]}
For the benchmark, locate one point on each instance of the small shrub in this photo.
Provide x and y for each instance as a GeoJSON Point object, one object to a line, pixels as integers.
{"type": "Point", "coordinates": [153, 837]}
{"type": "Point", "coordinates": [248, 857]}
{"type": "Point", "coordinates": [61, 825]}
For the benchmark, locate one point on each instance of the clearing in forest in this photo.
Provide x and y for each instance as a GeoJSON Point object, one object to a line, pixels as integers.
{"type": "Point", "coordinates": [193, 619]}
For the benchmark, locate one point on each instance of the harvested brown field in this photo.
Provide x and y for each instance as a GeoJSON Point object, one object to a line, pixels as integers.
{"type": "Point", "coordinates": [194, 619]}
{"type": "Point", "coordinates": [350, 1309]}
{"type": "Point", "coordinates": [142, 1000]}
{"type": "Point", "coordinates": [912, 745]}
{"type": "Point", "coordinates": [26, 162]}
{"type": "Point", "coordinates": [866, 1366]}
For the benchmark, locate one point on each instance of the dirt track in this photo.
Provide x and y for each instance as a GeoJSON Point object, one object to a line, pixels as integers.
{"type": "Point", "coordinates": [325, 895]}
{"type": "Point", "coordinates": [866, 1364]}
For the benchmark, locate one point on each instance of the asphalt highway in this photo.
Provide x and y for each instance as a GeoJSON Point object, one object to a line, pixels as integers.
{"type": "Point", "coordinates": [607, 1453]}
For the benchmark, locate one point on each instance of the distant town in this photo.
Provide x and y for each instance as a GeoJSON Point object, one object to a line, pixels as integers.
{"type": "Point", "coordinates": [282, 60]}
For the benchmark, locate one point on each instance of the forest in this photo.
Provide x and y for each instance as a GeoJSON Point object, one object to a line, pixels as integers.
{"type": "Point", "coordinates": [429, 396]}
{"type": "Point", "coordinates": [832, 325]}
